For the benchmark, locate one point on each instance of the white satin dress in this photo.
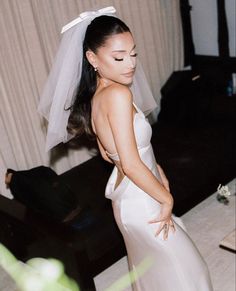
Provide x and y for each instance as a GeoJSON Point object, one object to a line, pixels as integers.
{"type": "Point", "coordinates": [175, 264]}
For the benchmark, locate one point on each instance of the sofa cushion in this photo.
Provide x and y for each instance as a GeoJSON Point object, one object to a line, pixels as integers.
{"type": "Point", "coordinates": [42, 190]}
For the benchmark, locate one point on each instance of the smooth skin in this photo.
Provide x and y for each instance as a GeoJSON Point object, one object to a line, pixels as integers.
{"type": "Point", "coordinates": [112, 121]}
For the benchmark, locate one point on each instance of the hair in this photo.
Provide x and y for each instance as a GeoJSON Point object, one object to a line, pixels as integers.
{"type": "Point", "coordinates": [99, 30]}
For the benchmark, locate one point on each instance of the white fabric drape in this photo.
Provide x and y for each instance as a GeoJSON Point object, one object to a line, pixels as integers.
{"type": "Point", "coordinates": [30, 34]}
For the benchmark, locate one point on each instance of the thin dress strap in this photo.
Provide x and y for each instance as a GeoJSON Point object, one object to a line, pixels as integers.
{"type": "Point", "coordinates": [136, 107]}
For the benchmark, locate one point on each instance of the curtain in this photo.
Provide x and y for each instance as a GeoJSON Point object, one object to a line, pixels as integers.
{"type": "Point", "coordinates": [30, 35]}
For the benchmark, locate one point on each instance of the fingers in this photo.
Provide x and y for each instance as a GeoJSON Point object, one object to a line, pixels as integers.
{"type": "Point", "coordinates": [165, 226]}
{"type": "Point", "coordinates": [159, 230]}
{"type": "Point", "coordinates": [157, 220]}
{"type": "Point", "coordinates": [172, 226]}
{"type": "Point", "coordinates": [154, 221]}
{"type": "Point", "coordinates": [166, 231]}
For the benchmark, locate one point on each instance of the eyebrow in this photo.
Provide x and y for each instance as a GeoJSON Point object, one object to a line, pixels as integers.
{"type": "Point", "coordinates": [123, 51]}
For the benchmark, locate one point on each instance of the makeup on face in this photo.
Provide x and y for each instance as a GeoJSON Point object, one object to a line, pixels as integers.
{"type": "Point", "coordinates": [117, 58]}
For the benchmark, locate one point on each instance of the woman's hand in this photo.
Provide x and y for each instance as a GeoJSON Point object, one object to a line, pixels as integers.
{"type": "Point", "coordinates": [165, 220]}
{"type": "Point", "coordinates": [164, 180]}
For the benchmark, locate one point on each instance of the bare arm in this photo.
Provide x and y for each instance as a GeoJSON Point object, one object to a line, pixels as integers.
{"type": "Point", "coordinates": [164, 179]}
{"type": "Point", "coordinates": [120, 118]}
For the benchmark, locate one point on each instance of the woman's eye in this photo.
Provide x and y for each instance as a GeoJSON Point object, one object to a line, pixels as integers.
{"type": "Point", "coordinates": [121, 59]}
{"type": "Point", "coordinates": [118, 60]}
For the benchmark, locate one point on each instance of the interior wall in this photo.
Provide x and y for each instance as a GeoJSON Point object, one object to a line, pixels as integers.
{"type": "Point", "coordinates": [230, 6]}
{"type": "Point", "coordinates": [30, 34]}
{"type": "Point", "coordinates": [204, 26]}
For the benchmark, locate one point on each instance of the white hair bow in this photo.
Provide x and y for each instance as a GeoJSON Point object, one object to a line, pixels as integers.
{"type": "Point", "coordinates": [86, 14]}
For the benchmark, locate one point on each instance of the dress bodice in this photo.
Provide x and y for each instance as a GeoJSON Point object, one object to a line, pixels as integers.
{"type": "Point", "coordinates": [142, 132]}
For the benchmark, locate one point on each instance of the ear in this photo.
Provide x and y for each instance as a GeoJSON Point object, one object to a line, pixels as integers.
{"type": "Point", "coordinates": [92, 58]}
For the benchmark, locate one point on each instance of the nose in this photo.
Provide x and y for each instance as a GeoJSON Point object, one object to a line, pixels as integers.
{"type": "Point", "coordinates": [131, 62]}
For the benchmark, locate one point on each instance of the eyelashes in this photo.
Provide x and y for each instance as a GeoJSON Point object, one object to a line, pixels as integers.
{"type": "Point", "coordinates": [120, 60]}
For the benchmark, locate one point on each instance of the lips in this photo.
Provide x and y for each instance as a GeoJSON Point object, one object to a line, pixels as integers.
{"type": "Point", "coordinates": [129, 74]}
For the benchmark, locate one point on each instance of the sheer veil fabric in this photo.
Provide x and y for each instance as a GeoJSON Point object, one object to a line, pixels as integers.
{"type": "Point", "coordinates": [59, 91]}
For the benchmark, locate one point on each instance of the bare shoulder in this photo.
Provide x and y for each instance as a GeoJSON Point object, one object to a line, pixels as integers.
{"type": "Point", "coordinates": [118, 96]}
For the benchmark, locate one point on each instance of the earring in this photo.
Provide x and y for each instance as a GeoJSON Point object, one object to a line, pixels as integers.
{"type": "Point", "coordinates": [95, 69]}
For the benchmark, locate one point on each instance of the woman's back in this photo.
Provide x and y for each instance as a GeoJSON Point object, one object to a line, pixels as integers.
{"type": "Point", "coordinates": [102, 107]}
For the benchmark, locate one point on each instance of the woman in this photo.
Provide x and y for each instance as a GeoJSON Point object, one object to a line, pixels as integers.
{"type": "Point", "coordinates": [142, 203]}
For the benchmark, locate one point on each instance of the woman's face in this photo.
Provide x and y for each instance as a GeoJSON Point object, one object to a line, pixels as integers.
{"type": "Point", "coordinates": [116, 59]}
